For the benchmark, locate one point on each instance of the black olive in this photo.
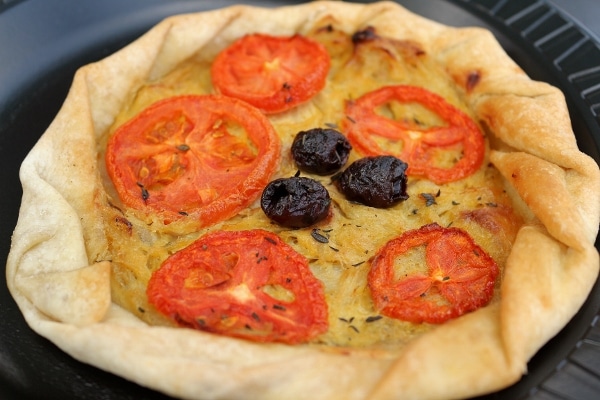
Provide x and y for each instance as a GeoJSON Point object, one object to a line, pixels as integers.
{"type": "Point", "coordinates": [295, 202]}
{"type": "Point", "coordinates": [320, 151]}
{"type": "Point", "coordinates": [374, 181]}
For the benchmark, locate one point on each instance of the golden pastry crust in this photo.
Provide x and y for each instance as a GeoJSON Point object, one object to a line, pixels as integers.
{"type": "Point", "coordinates": [549, 272]}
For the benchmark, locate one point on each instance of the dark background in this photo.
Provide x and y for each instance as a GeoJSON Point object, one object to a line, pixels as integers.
{"type": "Point", "coordinates": [43, 42]}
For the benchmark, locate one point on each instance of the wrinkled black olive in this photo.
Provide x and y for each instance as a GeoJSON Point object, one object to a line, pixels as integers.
{"type": "Point", "coordinates": [374, 181]}
{"type": "Point", "coordinates": [320, 151]}
{"type": "Point", "coordinates": [295, 202]}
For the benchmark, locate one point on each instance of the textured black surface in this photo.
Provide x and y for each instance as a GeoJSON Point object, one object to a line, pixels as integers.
{"type": "Point", "coordinates": [43, 42]}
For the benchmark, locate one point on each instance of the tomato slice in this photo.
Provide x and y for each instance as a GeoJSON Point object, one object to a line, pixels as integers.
{"type": "Point", "coordinates": [246, 284]}
{"type": "Point", "coordinates": [460, 276]}
{"type": "Point", "coordinates": [209, 156]}
{"type": "Point", "coordinates": [272, 73]}
{"type": "Point", "coordinates": [419, 144]}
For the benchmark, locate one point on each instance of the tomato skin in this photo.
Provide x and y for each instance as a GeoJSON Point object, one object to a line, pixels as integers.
{"type": "Point", "coordinates": [272, 73]}
{"type": "Point", "coordinates": [178, 158]}
{"type": "Point", "coordinates": [218, 284]}
{"type": "Point", "coordinates": [363, 123]}
{"type": "Point", "coordinates": [459, 271]}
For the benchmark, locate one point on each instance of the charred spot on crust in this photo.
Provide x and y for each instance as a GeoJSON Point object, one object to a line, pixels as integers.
{"type": "Point", "coordinates": [326, 28]}
{"type": "Point", "coordinates": [295, 202]}
{"type": "Point", "coordinates": [392, 48]}
{"type": "Point", "coordinates": [473, 79]}
{"type": "Point", "coordinates": [365, 35]}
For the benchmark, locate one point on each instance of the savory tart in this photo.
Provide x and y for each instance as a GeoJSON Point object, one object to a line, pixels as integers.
{"type": "Point", "coordinates": [308, 200]}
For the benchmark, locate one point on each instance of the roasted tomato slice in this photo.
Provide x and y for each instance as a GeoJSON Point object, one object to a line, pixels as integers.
{"type": "Point", "coordinates": [421, 146]}
{"type": "Point", "coordinates": [246, 284]}
{"type": "Point", "coordinates": [272, 73]}
{"type": "Point", "coordinates": [209, 156]}
{"type": "Point", "coordinates": [459, 276]}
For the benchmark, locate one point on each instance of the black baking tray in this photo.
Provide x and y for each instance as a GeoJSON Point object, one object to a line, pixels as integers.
{"type": "Point", "coordinates": [43, 42]}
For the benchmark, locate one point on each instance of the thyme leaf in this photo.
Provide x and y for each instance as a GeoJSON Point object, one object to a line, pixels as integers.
{"type": "Point", "coordinates": [319, 237]}
{"type": "Point", "coordinates": [429, 199]}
